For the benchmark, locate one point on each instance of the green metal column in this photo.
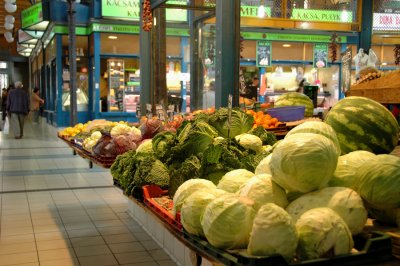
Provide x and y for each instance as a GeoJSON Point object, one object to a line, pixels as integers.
{"type": "Point", "coordinates": [72, 62]}
{"type": "Point", "coordinates": [145, 66]}
{"type": "Point", "coordinates": [227, 56]}
{"type": "Point", "coordinates": [195, 95]}
{"type": "Point", "coordinates": [366, 25]}
{"type": "Point", "coordinates": [159, 57]}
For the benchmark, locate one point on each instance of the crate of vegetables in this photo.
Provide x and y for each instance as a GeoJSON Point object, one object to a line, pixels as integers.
{"type": "Point", "coordinates": [161, 204]}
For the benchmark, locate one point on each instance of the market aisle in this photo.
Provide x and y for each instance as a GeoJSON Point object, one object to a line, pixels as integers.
{"type": "Point", "coordinates": [56, 211]}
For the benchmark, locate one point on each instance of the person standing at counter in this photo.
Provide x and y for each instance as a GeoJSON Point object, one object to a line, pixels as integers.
{"type": "Point", "coordinates": [251, 94]}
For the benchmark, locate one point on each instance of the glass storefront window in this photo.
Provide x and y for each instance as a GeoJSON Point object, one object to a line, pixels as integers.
{"type": "Point", "coordinates": [82, 75]}
{"type": "Point", "coordinates": [50, 50]}
{"type": "Point", "coordinates": [112, 43]}
{"type": "Point", "coordinates": [119, 84]}
{"type": "Point", "coordinates": [207, 51]}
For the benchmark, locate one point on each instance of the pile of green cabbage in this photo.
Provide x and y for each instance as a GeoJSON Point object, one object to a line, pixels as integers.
{"type": "Point", "coordinates": [250, 215]}
{"type": "Point", "coordinates": [325, 196]}
{"type": "Point", "coordinates": [200, 148]}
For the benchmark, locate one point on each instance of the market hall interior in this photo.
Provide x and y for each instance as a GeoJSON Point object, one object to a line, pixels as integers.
{"type": "Point", "coordinates": [55, 210]}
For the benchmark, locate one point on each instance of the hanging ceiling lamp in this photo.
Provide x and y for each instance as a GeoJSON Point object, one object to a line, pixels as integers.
{"type": "Point", "coordinates": [261, 10]}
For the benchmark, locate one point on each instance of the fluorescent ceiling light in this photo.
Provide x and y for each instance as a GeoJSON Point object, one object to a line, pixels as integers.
{"type": "Point", "coordinates": [261, 11]}
{"type": "Point", "coordinates": [112, 37]}
{"type": "Point", "coordinates": [384, 64]}
{"type": "Point", "coordinates": [286, 45]}
{"type": "Point", "coordinates": [344, 16]}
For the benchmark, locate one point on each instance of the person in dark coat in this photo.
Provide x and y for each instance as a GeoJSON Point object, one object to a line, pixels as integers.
{"type": "Point", "coordinates": [3, 104]}
{"type": "Point", "coordinates": [17, 108]}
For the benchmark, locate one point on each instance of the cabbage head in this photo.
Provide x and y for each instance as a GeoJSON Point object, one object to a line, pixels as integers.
{"type": "Point", "coordinates": [227, 221]}
{"type": "Point", "coordinates": [232, 180]}
{"type": "Point", "coordinates": [379, 182]}
{"type": "Point", "coordinates": [146, 146]}
{"type": "Point", "coordinates": [348, 168]}
{"type": "Point", "coordinates": [344, 201]}
{"type": "Point", "coordinates": [162, 144]}
{"type": "Point", "coordinates": [261, 189]}
{"type": "Point", "coordinates": [267, 137]}
{"type": "Point", "coordinates": [321, 232]}
{"type": "Point", "coordinates": [263, 166]}
{"type": "Point", "coordinates": [240, 122]}
{"type": "Point", "coordinates": [187, 188]}
{"type": "Point", "coordinates": [249, 142]}
{"type": "Point", "coordinates": [193, 209]}
{"type": "Point", "coordinates": [317, 127]}
{"type": "Point", "coordinates": [304, 162]}
{"type": "Point", "coordinates": [193, 141]}
{"type": "Point", "coordinates": [274, 232]}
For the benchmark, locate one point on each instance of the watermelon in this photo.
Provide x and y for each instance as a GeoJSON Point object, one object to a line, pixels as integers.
{"type": "Point", "coordinates": [317, 127]}
{"type": "Point", "coordinates": [295, 99]}
{"type": "Point", "coordinates": [363, 124]}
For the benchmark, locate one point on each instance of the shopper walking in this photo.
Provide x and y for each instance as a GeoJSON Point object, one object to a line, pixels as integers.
{"type": "Point", "coordinates": [17, 108]}
{"type": "Point", "coordinates": [36, 102]}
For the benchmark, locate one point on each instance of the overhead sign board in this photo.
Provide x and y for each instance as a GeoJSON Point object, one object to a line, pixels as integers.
{"type": "Point", "coordinates": [248, 35]}
{"type": "Point", "coordinates": [252, 11]}
{"type": "Point", "coordinates": [322, 15]}
{"type": "Point", "coordinates": [32, 15]}
{"type": "Point", "coordinates": [384, 21]}
{"type": "Point", "coordinates": [130, 10]}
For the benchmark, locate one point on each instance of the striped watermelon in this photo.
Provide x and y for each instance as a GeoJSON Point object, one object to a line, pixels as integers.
{"type": "Point", "coordinates": [363, 124]}
{"type": "Point", "coordinates": [295, 99]}
{"type": "Point", "coordinates": [317, 127]}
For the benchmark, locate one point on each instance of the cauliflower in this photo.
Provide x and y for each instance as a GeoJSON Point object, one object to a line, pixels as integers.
{"type": "Point", "coordinates": [250, 142]}
{"type": "Point", "coordinates": [96, 135]}
{"type": "Point", "coordinates": [120, 129]}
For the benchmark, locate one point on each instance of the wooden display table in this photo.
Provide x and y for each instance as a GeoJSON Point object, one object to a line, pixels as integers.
{"type": "Point", "coordinates": [384, 90]}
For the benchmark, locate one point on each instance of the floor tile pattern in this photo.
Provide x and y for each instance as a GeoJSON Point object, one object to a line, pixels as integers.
{"type": "Point", "coordinates": [55, 210]}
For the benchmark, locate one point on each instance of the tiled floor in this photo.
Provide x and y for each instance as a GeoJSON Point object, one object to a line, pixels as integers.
{"type": "Point", "coordinates": [55, 210]}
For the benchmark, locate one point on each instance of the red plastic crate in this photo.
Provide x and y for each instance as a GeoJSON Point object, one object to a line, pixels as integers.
{"type": "Point", "coordinates": [152, 191]}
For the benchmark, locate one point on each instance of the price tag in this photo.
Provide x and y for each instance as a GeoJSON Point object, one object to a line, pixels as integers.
{"type": "Point", "coordinates": [160, 112]}
{"type": "Point", "coordinates": [229, 113]}
{"type": "Point", "coordinates": [170, 112]}
{"type": "Point", "coordinates": [149, 111]}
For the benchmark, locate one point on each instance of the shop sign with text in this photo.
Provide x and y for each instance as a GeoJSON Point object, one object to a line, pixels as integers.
{"type": "Point", "coordinates": [264, 54]}
{"type": "Point", "coordinates": [322, 15]}
{"type": "Point", "coordinates": [134, 29]}
{"type": "Point", "coordinates": [252, 11]}
{"type": "Point", "coordinates": [384, 21]}
{"type": "Point", "coordinates": [290, 37]}
{"type": "Point", "coordinates": [116, 28]}
{"type": "Point", "coordinates": [130, 10]}
{"type": "Point", "coordinates": [320, 55]}
{"type": "Point", "coordinates": [32, 15]}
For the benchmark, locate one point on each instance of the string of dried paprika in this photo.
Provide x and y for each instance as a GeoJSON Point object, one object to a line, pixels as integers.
{"type": "Point", "coordinates": [147, 17]}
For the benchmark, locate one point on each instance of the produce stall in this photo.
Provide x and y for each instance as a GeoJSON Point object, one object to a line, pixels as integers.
{"type": "Point", "coordinates": [222, 186]}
